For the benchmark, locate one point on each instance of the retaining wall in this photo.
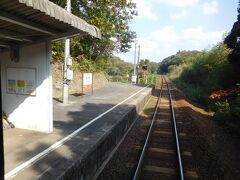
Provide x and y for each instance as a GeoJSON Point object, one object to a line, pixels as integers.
{"type": "Point", "coordinates": [116, 123]}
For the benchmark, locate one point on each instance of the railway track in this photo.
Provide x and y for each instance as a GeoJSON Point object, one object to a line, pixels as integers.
{"type": "Point", "coordinates": [161, 156]}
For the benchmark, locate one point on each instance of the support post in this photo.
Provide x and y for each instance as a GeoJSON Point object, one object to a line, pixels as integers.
{"type": "Point", "coordinates": [2, 171]}
{"type": "Point", "coordinates": [67, 55]}
{"type": "Point", "coordinates": [82, 83]}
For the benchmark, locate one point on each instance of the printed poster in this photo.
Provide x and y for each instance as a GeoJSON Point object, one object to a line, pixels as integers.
{"type": "Point", "coordinates": [20, 86]}
{"type": "Point", "coordinates": [21, 81]}
{"type": "Point", "coordinates": [30, 87]}
{"type": "Point", "coordinates": [11, 86]}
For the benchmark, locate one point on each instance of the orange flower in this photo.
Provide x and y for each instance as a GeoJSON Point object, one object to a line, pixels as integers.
{"type": "Point", "coordinates": [224, 93]}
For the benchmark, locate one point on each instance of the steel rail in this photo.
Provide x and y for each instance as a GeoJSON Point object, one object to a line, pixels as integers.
{"type": "Point", "coordinates": [141, 159]}
{"type": "Point", "coordinates": [176, 134]}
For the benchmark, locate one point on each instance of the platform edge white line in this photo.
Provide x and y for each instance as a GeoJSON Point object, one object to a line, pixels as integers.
{"type": "Point", "coordinates": [62, 141]}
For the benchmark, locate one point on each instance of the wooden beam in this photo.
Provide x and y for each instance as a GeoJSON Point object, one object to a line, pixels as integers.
{"type": "Point", "coordinates": [25, 23]}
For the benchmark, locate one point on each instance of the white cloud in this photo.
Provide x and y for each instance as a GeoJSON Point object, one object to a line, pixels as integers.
{"type": "Point", "coordinates": [145, 9]}
{"type": "Point", "coordinates": [180, 15]}
{"type": "Point", "coordinates": [210, 8]}
{"type": "Point", "coordinates": [200, 39]}
{"type": "Point", "coordinates": [167, 41]}
{"type": "Point", "coordinates": [166, 34]}
{"type": "Point", "coordinates": [178, 3]}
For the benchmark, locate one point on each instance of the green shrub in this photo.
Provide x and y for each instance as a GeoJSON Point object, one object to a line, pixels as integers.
{"type": "Point", "coordinates": [83, 64]}
{"type": "Point", "coordinates": [202, 74]}
{"type": "Point", "coordinates": [222, 108]}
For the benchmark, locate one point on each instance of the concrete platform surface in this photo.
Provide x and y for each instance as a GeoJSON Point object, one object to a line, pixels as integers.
{"type": "Point", "coordinates": [84, 130]}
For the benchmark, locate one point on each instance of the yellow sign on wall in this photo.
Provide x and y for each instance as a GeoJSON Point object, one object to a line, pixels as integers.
{"type": "Point", "coordinates": [20, 83]}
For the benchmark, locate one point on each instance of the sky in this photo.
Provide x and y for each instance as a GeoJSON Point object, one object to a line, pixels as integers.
{"type": "Point", "coordinates": [164, 27]}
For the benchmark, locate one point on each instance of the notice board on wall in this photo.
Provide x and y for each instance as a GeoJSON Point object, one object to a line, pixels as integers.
{"type": "Point", "coordinates": [21, 81]}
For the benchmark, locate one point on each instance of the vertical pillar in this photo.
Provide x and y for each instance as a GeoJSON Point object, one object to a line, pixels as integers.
{"type": "Point", "coordinates": [134, 65]}
{"type": "Point", "coordinates": [67, 55]}
{"type": "Point", "coordinates": [50, 93]}
{"type": "Point", "coordinates": [1, 135]}
{"type": "Point", "coordinates": [65, 84]}
{"type": "Point", "coordinates": [138, 64]}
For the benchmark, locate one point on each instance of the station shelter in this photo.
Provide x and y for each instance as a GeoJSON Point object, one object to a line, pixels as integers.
{"type": "Point", "coordinates": [27, 28]}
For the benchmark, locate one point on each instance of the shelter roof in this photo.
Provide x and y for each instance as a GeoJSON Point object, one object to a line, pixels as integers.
{"type": "Point", "coordinates": [28, 21]}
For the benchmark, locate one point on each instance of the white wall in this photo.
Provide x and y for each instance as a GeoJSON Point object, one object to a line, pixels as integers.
{"type": "Point", "coordinates": [24, 111]}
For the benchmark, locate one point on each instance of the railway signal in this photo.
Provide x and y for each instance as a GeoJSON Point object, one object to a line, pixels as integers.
{"type": "Point", "coordinates": [145, 67]}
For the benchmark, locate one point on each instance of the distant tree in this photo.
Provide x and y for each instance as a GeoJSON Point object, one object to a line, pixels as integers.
{"type": "Point", "coordinates": [180, 57]}
{"type": "Point", "coordinates": [233, 40]}
{"type": "Point", "coordinates": [153, 67]}
{"type": "Point", "coordinates": [111, 17]}
{"type": "Point", "coordinates": [117, 67]}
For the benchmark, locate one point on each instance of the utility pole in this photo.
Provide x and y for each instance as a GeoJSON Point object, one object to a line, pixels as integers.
{"type": "Point", "coordinates": [66, 57]}
{"type": "Point", "coordinates": [134, 65]}
{"type": "Point", "coordinates": [138, 64]}
{"type": "Point", "coordinates": [134, 77]}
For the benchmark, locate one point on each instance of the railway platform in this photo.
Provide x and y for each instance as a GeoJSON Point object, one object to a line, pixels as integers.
{"type": "Point", "coordinates": [85, 132]}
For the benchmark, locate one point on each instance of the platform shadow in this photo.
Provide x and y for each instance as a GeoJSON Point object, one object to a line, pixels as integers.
{"type": "Point", "coordinates": [81, 141]}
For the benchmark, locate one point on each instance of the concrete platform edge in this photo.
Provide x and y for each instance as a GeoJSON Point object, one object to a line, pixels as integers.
{"type": "Point", "coordinates": [86, 167]}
